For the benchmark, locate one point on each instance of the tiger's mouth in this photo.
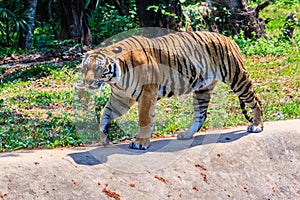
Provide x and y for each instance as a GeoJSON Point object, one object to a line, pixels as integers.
{"type": "Point", "coordinates": [93, 84]}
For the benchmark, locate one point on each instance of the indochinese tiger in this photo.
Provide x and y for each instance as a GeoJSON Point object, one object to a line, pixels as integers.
{"type": "Point", "coordinates": [142, 70]}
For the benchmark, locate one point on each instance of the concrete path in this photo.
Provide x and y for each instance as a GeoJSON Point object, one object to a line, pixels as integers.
{"type": "Point", "coordinates": [218, 164]}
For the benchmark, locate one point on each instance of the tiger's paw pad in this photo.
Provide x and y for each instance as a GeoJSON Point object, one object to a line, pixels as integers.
{"type": "Point", "coordinates": [254, 129]}
{"type": "Point", "coordinates": [183, 136]}
{"type": "Point", "coordinates": [134, 145]}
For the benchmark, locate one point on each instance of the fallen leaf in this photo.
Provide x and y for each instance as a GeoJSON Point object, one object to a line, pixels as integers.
{"type": "Point", "coordinates": [112, 194]}
{"type": "Point", "coordinates": [200, 166]}
{"type": "Point", "coordinates": [162, 179]}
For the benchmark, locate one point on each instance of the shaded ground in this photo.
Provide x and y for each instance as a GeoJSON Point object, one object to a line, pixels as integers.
{"type": "Point", "coordinates": [220, 164]}
{"type": "Point", "coordinates": [57, 54]}
{"type": "Point", "coordinates": [12, 64]}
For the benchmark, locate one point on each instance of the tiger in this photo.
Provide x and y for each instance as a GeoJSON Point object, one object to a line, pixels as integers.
{"type": "Point", "coordinates": [142, 70]}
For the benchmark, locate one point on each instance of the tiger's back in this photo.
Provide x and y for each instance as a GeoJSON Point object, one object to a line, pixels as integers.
{"type": "Point", "coordinates": [180, 63]}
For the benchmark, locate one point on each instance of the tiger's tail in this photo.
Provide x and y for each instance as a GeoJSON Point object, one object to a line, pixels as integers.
{"type": "Point", "coordinates": [244, 111]}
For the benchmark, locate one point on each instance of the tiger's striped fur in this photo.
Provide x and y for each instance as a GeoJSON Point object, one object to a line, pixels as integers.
{"type": "Point", "coordinates": [143, 70]}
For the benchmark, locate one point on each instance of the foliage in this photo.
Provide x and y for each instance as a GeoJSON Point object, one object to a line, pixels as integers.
{"type": "Point", "coordinates": [35, 108]}
{"type": "Point", "coordinates": [105, 21]}
{"type": "Point", "coordinates": [193, 16]}
{"type": "Point", "coordinates": [281, 3]}
{"type": "Point", "coordinates": [12, 21]}
{"type": "Point", "coordinates": [263, 46]}
{"type": "Point", "coordinates": [32, 133]}
{"type": "Point", "coordinates": [198, 16]}
{"type": "Point", "coordinates": [163, 9]}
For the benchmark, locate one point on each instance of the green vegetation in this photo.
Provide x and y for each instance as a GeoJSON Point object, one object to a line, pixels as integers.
{"type": "Point", "coordinates": [105, 22]}
{"type": "Point", "coordinates": [35, 108]}
{"type": "Point", "coordinates": [39, 107]}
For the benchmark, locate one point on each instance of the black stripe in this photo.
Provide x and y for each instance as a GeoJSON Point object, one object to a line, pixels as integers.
{"type": "Point", "coordinates": [228, 60]}
{"type": "Point", "coordinates": [198, 54]}
{"type": "Point", "coordinates": [171, 75]}
{"type": "Point", "coordinates": [132, 75]}
{"type": "Point", "coordinates": [126, 76]}
{"type": "Point", "coordinates": [202, 101]}
{"type": "Point", "coordinates": [170, 94]}
{"type": "Point", "coordinates": [223, 67]}
{"type": "Point", "coordinates": [132, 60]}
{"type": "Point", "coordinates": [187, 43]}
{"type": "Point", "coordinates": [242, 79]}
{"type": "Point", "coordinates": [193, 36]}
{"type": "Point", "coordinates": [185, 66]}
{"type": "Point", "coordinates": [235, 77]}
{"type": "Point", "coordinates": [200, 38]}
{"type": "Point", "coordinates": [173, 41]}
{"type": "Point", "coordinates": [137, 81]}
{"type": "Point", "coordinates": [201, 108]}
{"type": "Point", "coordinates": [116, 86]}
{"type": "Point", "coordinates": [250, 99]}
{"type": "Point", "coordinates": [248, 86]}
{"type": "Point", "coordinates": [207, 49]}
{"type": "Point", "coordinates": [215, 47]}
{"type": "Point", "coordinates": [201, 91]}
{"type": "Point", "coordinates": [179, 66]}
{"type": "Point", "coordinates": [166, 45]}
{"type": "Point", "coordinates": [244, 95]}
{"type": "Point", "coordinates": [122, 63]}
{"type": "Point", "coordinates": [164, 91]}
{"type": "Point", "coordinates": [194, 83]}
{"type": "Point", "coordinates": [140, 93]}
{"type": "Point", "coordinates": [143, 47]}
{"type": "Point", "coordinates": [108, 108]}
{"type": "Point", "coordinates": [157, 47]}
{"type": "Point", "coordinates": [241, 86]}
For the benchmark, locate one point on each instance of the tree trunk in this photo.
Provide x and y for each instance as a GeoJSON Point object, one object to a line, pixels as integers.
{"type": "Point", "coordinates": [241, 18]}
{"type": "Point", "coordinates": [74, 23]}
{"type": "Point", "coordinates": [151, 18]}
{"type": "Point", "coordinates": [25, 39]}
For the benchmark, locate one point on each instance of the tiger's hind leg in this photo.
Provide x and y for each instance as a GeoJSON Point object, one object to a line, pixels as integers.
{"type": "Point", "coordinates": [255, 104]}
{"type": "Point", "coordinates": [247, 95]}
{"type": "Point", "coordinates": [114, 108]}
{"type": "Point", "coordinates": [201, 100]}
{"type": "Point", "coordinates": [146, 105]}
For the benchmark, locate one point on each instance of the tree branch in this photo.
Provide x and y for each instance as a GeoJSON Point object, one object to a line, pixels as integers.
{"type": "Point", "coordinates": [261, 7]}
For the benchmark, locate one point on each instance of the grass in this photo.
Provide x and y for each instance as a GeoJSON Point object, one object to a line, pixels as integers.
{"type": "Point", "coordinates": [36, 109]}
{"type": "Point", "coordinates": [39, 107]}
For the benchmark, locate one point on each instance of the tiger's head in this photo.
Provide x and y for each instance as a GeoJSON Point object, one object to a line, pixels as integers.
{"type": "Point", "coordinates": [99, 68]}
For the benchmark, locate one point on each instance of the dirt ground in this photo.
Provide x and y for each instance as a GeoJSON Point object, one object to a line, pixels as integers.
{"type": "Point", "coordinates": [218, 164]}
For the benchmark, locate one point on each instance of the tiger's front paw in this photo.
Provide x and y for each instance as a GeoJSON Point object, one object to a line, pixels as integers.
{"type": "Point", "coordinates": [140, 145]}
{"type": "Point", "coordinates": [104, 139]}
{"type": "Point", "coordinates": [184, 136]}
{"type": "Point", "coordinates": [254, 129]}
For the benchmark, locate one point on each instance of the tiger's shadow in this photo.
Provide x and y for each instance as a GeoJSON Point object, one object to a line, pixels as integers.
{"type": "Point", "coordinates": [100, 155]}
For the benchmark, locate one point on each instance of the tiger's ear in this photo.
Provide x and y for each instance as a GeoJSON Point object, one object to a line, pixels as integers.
{"type": "Point", "coordinates": [87, 48]}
